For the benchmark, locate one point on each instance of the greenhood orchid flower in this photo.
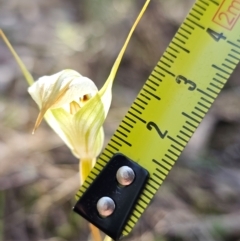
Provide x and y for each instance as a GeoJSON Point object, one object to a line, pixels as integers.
{"type": "Point", "coordinates": [72, 104]}
{"type": "Point", "coordinates": [74, 109]}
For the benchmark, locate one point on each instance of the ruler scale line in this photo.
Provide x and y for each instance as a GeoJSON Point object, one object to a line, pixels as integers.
{"type": "Point", "coordinates": [169, 66]}
{"type": "Point", "coordinates": [221, 69]}
{"type": "Point", "coordinates": [170, 158]}
{"type": "Point", "coordinates": [227, 66]}
{"type": "Point", "coordinates": [182, 139]}
{"type": "Point", "coordinates": [109, 152]}
{"type": "Point", "coordinates": [176, 147]}
{"type": "Point", "coordinates": [116, 142]}
{"type": "Point", "coordinates": [193, 22]}
{"type": "Point", "coordinates": [102, 159]}
{"type": "Point", "coordinates": [190, 117]}
{"type": "Point", "coordinates": [174, 56]}
{"type": "Point", "coordinates": [94, 171]}
{"type": "Point", "coordinates": [200, 7]}
{"type": "Point", "coordinates": [183, 35]}
{"type": "Point", "coordinates": [231, 62]}
{"type": "Point", "coordinates": [127, 124]}
{"type": "Point", "coordinates": [234, 57]}
{"type": "Point", "coordinates": [139, 208]}
{"type": "Point", "coordinates": [158, 73]}
{"type": "Point", "coordinates": [142, 200]}
{"type": "Point", "coordinates": [96, 167]}
{"type": "Point", "coordinates": [214, 92]}
{"type": "Point", "coordinates": [205, 93]}
{"type": "Point", "coordinates": [185, 134]}
{"type": "Point", "coordinates": [218, 81]}
{"type": "Point", "coordinates": [168, 59]}
{"type": "Point", "coordinates": [162, 166]}
{"type": "Point", "coordinates": [200, 110]}
{"type": "Point", "coordinates": [167, 161]}
{"type": "Point", "coordinates": [150, 191]}
{"type": "Point", "coordinates": [205, 100]}
{"type": "Point", "coordinates": [91, 178]}
{"type": "Point", "coordinates": [135, 216]}
{"type": "Point", "coordinates": [186, 128]}
{"type": "Point", "coordinates": [195, 10]}
{"type": "Point", "coordinates": [158, 183]}
{"type": "Point", "coordinates": [235, 45]}
{"type": "Point", "coordinates": [172, 139]}
{"type": "Point", "coordinates": [150, 87]}
{"type": "Point", "coordinates": [144, 102]}
{"type": "Point", "coordinates": [153, 82]}
{"type": "Point", "coordinates": [124, 128]}
{"type": "Point", "coordinates": [137, 117]}
{"type": "Point", "coordinates": [168, 72]}
{"type": "Point", "coordinates": [204, 2]}
{"type": "Point", "coordinates": [181, 47]}
{"type": "Point", "coordinates": [235, 51]}
{"type": "Point", "coordinates": [137, 104]}
{"type": "Point", "coordinates": [153, 95]}
{"type": "Point", "coordinates": [155, 77]}
{"type": "Point", "coordinates": [120, 132]}
{"type": "Point", "coordinates": [201, 104]}
{"type": "Point", "coordinates": [214, 2]}
{"type": "Point", "coordinates": [140, 205]}
{"type": "Point", "coordinates": [190, 124]}
{"type": "Point", "coordinates": [183, 42]}
{"type": "Point", "coordinates": [172, 152]}
{"type": "Point", "coordinates": [221, 76]}
{"type": "Point", "coordinates": [153, 187]}
{"type": "Point", "coordinates": [114, 147]}
{"type": "Point", "coordinates": [139, 112]}
{"type": "Point", "coordinates": [145, 96]}
{"type": "Point", "coordinates": [194, 16]}
{"type": "Point", "coordinates": [175, 50]}
{"type": "Point", "coordinates": [189, 26]}
{"type": "Point", "coordinates": [121, 139]}
{"type": "Point", "coordinates": [198, 115]}
{"type": "Point", "coordinates": [157, 176]}
{"type": "Point", "coordinates": [133, 121]}
{"type": "Point", "coordinates": [162, 173]}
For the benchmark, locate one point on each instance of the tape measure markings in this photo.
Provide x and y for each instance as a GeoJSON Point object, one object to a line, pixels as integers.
{"type": "Point", "coordinates": [216, 3]}
{"type": "Point", "coordinates": [204, 2]}
{"type": "Point", "coordinates": [199, 116]}
{"type": "Point", "coordinates": [166, 72]}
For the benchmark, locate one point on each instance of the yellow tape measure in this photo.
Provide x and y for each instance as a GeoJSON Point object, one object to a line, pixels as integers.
{"type": "Point", "coordinates": [176, 97]}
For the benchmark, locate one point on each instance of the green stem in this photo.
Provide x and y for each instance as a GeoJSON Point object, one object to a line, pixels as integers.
{"type": "Point", "coordinates": [85, 166]}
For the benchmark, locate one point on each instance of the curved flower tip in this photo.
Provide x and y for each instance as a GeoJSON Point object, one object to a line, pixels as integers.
{"type": "Point", "coordinates": [73, 108]}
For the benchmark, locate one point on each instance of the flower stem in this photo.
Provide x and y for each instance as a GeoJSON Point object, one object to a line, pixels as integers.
{"type": "Point", "coordinates": [85, 166]}
{"type": "Point", "coordinates": [95, 233]}
{"type": "Point", "coordinates": [107, 238]}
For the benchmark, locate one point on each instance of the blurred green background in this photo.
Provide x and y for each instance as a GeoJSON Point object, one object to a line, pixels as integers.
{"type": "Point", "coordinates": [200, 199]}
